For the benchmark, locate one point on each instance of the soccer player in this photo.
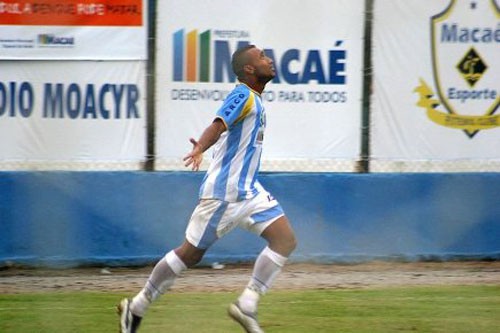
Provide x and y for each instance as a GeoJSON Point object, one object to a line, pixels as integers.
{"type": "Point", "coordinates": [230, 196]}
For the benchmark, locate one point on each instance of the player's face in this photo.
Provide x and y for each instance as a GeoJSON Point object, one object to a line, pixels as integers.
{"type": "Point", "coordinates": [262, 64]}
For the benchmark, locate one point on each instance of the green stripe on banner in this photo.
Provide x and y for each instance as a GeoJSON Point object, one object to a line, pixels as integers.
{"type": "Point", "coordinates": [205, 56]}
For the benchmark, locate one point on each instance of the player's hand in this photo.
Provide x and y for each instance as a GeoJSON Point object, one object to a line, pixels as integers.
{"type": "Point", "coordinates": [195, 157]}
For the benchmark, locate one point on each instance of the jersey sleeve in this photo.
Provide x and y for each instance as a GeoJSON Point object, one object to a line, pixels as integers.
{"type": "Point", "coordinates": [235, 107]}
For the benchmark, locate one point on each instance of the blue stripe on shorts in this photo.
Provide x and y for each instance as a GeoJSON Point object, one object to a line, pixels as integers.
{"type": "Point", "coordinates": [210, 234]}
{"type": "Point", "coordinates": [267, 214]}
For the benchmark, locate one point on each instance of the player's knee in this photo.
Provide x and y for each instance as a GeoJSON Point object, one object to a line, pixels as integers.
{"type": "Point", "coordinates": [191, 259]}
{"type": "Point", "coordinates": [284, 245]}
{"type": "Point", "coordinates": [291, 242]}
{"type": "Point", "coordinates": [189, 254]}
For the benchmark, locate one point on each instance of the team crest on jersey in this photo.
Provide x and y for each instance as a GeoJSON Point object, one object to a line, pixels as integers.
{"type": "Point", "coordinates": [465, 40]}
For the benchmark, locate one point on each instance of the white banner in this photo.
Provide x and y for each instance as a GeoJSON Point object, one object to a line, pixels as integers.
{"type": "Point", "coordinates": [73, 29]}
{"type": "Point", "coordinates": [436, 86]}
{"type": "Point", "coordinates": [74, 115]}
{"type": "Point", "coordinates": [313, 105]}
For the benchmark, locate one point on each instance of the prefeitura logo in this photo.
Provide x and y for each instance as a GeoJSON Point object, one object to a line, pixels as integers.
{"type": "Point", "coordinates": [465, 42]}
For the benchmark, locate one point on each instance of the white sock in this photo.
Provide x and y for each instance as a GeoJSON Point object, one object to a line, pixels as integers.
{"type": "Point", "coordinates": [160, 280]}
{"type": "Point", "coordinates": [267, 267]}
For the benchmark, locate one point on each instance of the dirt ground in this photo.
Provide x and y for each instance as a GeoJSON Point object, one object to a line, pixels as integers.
{"type": "Point", "coordinates": [235, 277]}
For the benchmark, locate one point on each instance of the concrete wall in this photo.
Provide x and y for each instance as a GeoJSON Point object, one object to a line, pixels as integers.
{"type": "Point", "coordinates": [115, 218]}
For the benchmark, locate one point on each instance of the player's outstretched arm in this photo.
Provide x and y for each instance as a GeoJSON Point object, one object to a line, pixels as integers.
{"type": "Point", "coordinates": [210, 136]}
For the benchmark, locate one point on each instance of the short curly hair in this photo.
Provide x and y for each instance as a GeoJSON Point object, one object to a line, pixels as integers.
{"type": "Point", "coordinates": [239, 60]}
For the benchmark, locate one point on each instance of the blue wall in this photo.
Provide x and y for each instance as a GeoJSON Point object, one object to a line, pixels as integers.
{"type": "Point", "coordinates": [114, 218]}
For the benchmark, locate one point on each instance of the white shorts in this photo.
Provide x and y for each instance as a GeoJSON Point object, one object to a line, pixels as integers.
{"type": "Point", "coordinates": [212, 219]}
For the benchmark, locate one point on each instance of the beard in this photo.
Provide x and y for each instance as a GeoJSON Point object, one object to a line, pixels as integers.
{"type": "Point", "coordinates": [265, 77]}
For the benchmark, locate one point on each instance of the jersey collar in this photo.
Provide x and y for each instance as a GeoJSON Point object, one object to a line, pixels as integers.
{"type": "Point", "coordinates": [255, 92]}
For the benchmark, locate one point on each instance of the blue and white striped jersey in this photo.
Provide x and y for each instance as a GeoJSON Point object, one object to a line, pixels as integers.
{"type": "Point", "coordinates": [232, 174]}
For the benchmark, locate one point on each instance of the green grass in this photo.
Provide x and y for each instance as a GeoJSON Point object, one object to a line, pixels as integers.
{"type": "Point", "coordinates": [467, 309]}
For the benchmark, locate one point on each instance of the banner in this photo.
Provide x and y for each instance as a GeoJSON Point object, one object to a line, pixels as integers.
{"type": "Point", "coordinates": [436, 86]}
{"type": "Point", "coordinates": [313, 105]}
{"type": "Point", "coordinates": [72, 116]}
{"type": "Point", "coordinates": [73, 29]}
